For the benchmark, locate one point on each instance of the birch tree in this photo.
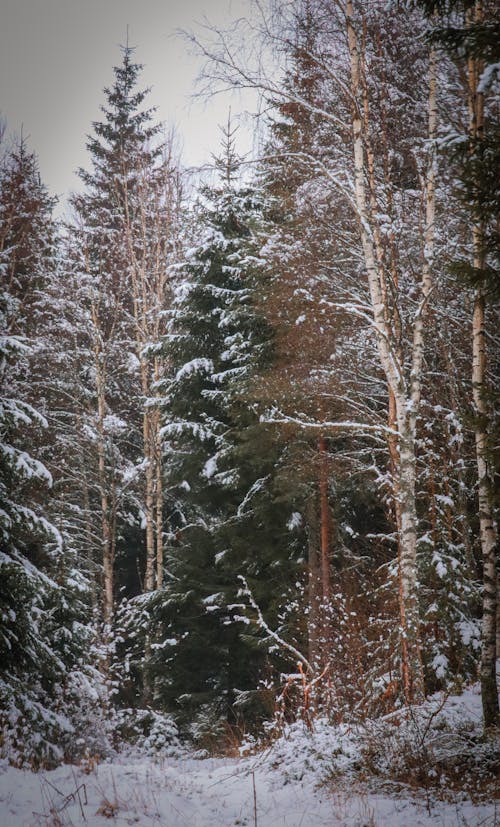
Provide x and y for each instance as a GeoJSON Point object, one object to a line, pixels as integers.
{"type": "Point", "coordinates": [395, 249]}
{"type": "Point", "coordinates": [468, 32]}
{"type": "Point", "coordinates": [124, 239]}
{"type": "Point", "coordinates": [405, 386]}
{"type": "Point", "coordinates": [152, 216]}
{"type": "Point", "coordinates": [487, 523]}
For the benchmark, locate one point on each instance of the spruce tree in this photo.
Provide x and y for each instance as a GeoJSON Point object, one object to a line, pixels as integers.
{"type": "Point", "coordinates": [39, 586]}
{"type": "Point", "coordinates": [220, 465]}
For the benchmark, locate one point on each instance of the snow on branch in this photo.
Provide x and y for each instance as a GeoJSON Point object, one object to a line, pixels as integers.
{"type": "Point", "coordinates": [245, 592]}
{"type": "Point", "coordinates": [258, 485]}
{"type": "Point", "coordinates": [276, 417]}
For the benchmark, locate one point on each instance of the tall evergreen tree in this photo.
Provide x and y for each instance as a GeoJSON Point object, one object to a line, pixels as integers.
{"type": "Point", "coordinates": [122, 242]}
{"type": "Point", "coordinates": [39, 582]}
{"type": "Point", "coordinates": [220, 463]}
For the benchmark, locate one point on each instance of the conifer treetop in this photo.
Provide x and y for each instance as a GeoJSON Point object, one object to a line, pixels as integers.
{"type": "Point", "coordinates": [127, 130]}
{"type": "Point", "coordinates": [228, 162]}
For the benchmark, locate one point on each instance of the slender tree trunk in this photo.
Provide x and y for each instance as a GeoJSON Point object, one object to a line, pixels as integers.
{"type": "Point", "coordinates": [314, 621]}
{"type": "Point", "coordinates": [404, 396]}
{"type": "Point", "coordinates": [107, 545]}
{"type": "Point", "coordinates": [140, 307]}
{"type": "Point", "coordinates": [498, 623]}
{"type": "Point", "coordinates": [159, 491]}
{"type": "Point", "coordinates": [148, 284]}
{"type": "Point", "coordinates": [149, 454]}
{"type": "Point", "coordinates": [90, 543]}
{"type": "Point", "coordinates": [324, 521]}
{"type": "Point", "coordinates": [487, 526]}
{"type": "Point", "coordinates": [148, 275]}
{"type": "Point", "coordinates": [159, 526]}
{"type": "Point", "coordinates": [409, 639]}
{"type": "Point", "coordinates": [409, 613]}
{"type": "Point", "coordinates": [107, 556]}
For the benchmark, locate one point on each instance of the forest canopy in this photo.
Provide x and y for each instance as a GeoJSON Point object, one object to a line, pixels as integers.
{"type": "Point", "coordinates": [249, 425]}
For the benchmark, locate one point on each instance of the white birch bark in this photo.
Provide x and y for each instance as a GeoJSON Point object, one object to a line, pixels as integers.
{"type": "Point", "coordinates": [402, 363]}
{"type": "Point", "coordinates": [142, 310]}
{"type": "Point", "coordinates": [149, 237]}
{"type": "Point", "coordinates": [406, 394]}
{"type": "Point", "coordinates": [107, 545]}
{"type": "Point", "coordinates": [487, 526]}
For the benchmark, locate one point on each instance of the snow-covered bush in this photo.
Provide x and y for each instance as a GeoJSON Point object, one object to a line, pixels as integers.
{"type": "Point", "coordinates": [162, 739]}
{"type": "Point", "coordinates": [87, 702]}
{"type": "Point", "coordinates": [438, 744]}
{"type": "Point", "coordinates": [151, 733]}
{"type": "Point", "coordinates": [318, 753]}
{"type": "Point", "coordinates": [32, 733]}
{"type": "Point", "coordinates": [208, 731]}
{"type": "Point", "coordinates": [41, 729]}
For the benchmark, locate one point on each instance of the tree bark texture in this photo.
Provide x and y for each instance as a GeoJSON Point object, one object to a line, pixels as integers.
{"type": "Point", "coordinates": [404, 391]}
{"type": "Point", "coordinates": [487, 527]}
{"type": "Point", "coordinates": [107, 544]}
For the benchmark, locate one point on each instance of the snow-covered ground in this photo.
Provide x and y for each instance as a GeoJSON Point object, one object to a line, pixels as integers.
{"type": "Point", "coordinates": [211, 793]}
{"type": "Point", "coordinates": [303, 780]}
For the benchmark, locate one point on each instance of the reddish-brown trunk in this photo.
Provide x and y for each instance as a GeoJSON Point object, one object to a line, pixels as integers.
{"type": "Point", "coordinates": [324, 520]}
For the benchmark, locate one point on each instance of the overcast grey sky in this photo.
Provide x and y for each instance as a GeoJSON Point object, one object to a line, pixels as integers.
{"type": "Point", "coordinates": [57, 55]}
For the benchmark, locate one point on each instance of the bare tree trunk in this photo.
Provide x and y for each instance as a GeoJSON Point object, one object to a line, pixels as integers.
{"type": "Point", "coordinates": [159, 526]}
{"type": "Point", "coordinates": [107, 545]}
{"type": "Point", "coordinates": [314, 619]}
{"type": "Point", "coordinates": [324, 521]}
{"type": "Point", "coordinates": [159, 491]}
{"type": "Point", "coordinates": [149, 454]}
{"type": "Point", "coordinates": [88, 533]}
{"type": "Point", "coordinates": [141, 306]}
{"type": "Point", "coordinates": [498, 624]}
{"type": "Point", "coordinates": [404, 395]}
{"type": "Point", "coordinates": [407, 418]}
{"type": "Point", "coordinates": [487, 526]}
{"type": "Point", "coordinates": [147, 254]}
{"type": "Point", "coordinates": [148, 279]}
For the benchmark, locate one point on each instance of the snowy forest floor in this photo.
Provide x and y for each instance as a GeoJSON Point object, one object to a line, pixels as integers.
{"type": "Point", "coordinates": [336, 775]}
{"type": "Point", "coordinates": [215, 793]}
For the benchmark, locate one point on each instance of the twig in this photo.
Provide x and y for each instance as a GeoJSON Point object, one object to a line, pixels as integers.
{"type": "Point", "coordinates": [272, 634]}
{"type": "Point", "coordinates": [85, 800]}
{"type": "Point", "coordinates": [254, 800]}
